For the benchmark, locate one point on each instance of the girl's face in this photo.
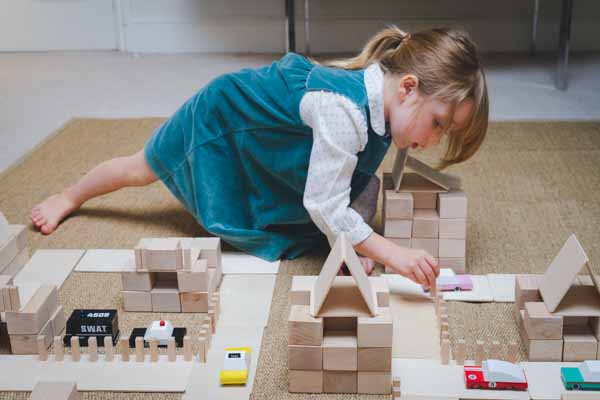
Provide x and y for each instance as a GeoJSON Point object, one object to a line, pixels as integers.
{"type": "Point", "coordinates": [417, 121]}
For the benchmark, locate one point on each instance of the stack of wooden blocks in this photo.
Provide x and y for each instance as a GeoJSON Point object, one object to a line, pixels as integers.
{"type": "Point", "coordinates": [558, 313]}
{"type": "Point", "coordinates": [173, 275]}
{"type": "Point", "coordinates": [14, 252]}
{"type": "Point", "coordinates": [39, 320]}
{"type": "Point", "coordinates": [338, 347]}
{"type": "Point", "coordinates": [425, 216]}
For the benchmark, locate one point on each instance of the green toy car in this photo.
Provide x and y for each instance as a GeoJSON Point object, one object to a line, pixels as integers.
{"type": "Point", "coordinates": [584, 377]}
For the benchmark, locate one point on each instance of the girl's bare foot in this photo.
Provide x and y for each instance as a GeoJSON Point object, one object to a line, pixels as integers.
{"type": "Point", "coordinates": [49, 213]}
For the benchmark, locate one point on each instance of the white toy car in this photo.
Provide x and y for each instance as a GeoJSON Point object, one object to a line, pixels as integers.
{"type": "Point", "coordinates": [161, 330]}
{"type": "Point", "coordinates": [496, 374]}
{"type": "Point", "coordinates": [235, 366]}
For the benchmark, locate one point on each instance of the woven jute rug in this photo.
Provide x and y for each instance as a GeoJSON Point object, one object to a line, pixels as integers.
{"type": "Point", "coordinates": [529, 188]}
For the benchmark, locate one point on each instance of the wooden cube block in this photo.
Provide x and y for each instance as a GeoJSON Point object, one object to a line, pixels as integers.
{"type": "Point", "coordinates": [15, 301]}
{"type": "Point", "coordinates": [452, 204]}
{"type": "Point", "coordinates": [300, 291]}
{"type": "Point", "coordinates": [305, 381]}
{"type": "Point", "coordinates": [340, 382]}
{"type": "Point", "coordinates": [194, 302]}
{"type": "Point", "coordinates": [382, 290]}
{"type": "Point", "coordinates": [375, 359]}
{"type": "Point", "coordinates": [453, 228]}
{"type": "Point", "coordinates": [194, 280]}
{"type": "Point", "coordinates": [165, 299]}
{"type": "Point", "coordinates": [210, 250]}
{"type": "Point", "coordinates": [305, 357]}
{"type": "Point", "coordinates": [55, 391]}
{"type": "Point", "coordinates": [137, 281]}
{"type": "Point", "coordinates": [28, 344]}
{"type": "Point", "coordinates": [137, 301]}
{"type": "Point", "coordinates": [344, 324]}
{"type": "Point", "coordinates": [374, 382]}
{"type": "Point", "coordinates": [58, 321]}
{"type": "Point", "coordinates": [161, 254]}
{"type": "Point", "coordinates": [35, 314]}
{"type": "Point", "coordinates": [431, 246]}
{"type": "Point", "coordinates": [540, 324]}
{"type": "Point", "coordinates": [577, 321]}
{"type": "Point", "coordinates": [452, 248]}
{"type": "Point", "coordinates": [303, 328]}
{"type": "Point", "coordinates": [426, 224]}
{"type": "Point", "coordinates": [397, 228]}
{"type": "Point", "coordinates": [340, 351]}
{"type": "Point", "coordinates": [579, 344]}
{"type": "Point", "coordinates": [539, 349]}
{"type": "Point", "coordinates": [526, 290]}
{"type": "Point", "coordinates": [424, 200]}
{"type": "Point", "coordinates": [375, 331]}
{"type": "Point", "coordinates": [457, 264]}
{"type": "Point", "coordinates": [397, 205]}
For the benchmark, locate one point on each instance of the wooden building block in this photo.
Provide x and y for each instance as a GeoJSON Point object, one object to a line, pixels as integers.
{"type": "Point", "coordinates": [138, 281]}
{"type": "Point", "coordinates": [305, 381]}
{"type": "Point", "coordinates": [305, 357]}
{"type": "Point", "coordinates": [339, 324]}
{"type": "Point", "coordinates": [397, 205]}
{"type": "Point", "coordinates": [453, 228]}
{"type": "Point", "coordinates": [425, 200]}
{"type": "Point", "coordinates": [59, 349]}
{"type": "Point", "coordinates": [579, 344]}
{"type": "Point", "coordinates": [34, 315]}
{"type": "Point", "coordinates": [188, 353]}
{"type": "Point", "coordinates": [374, 382]}
{"type": "Point", "coordinates": [452, 248]}
{"type": "Point", "coordinates": [75, 352]}
{"type": "Point", "coordinates": [452, 204]}
{"type": "Point", "coordinates": [137, 301]}
{"type": "Point", "coordinates": [445, 351]}
{"type": "Point", "coordinates": [55, 391]}
{"type": "Point", "coordinates": [210, 250]}
{"type": "Point", "coordinates": [300, 290]}
{"type": "Point", "coordinates": [42, 349]}
{"type": "Point", "coordinates": [426, 224]}
{"type": "Point", "coordinates": [93, 348]}
{"type": "Point", "coordinates": [58, 321]}
{"type": "Point", "coordinates": [376, 331]}
{"type": "Point", "coordinates": [154, 350]}
{"type": "Point", "coordinates": [195, 280]}
{"type": "Point", "coordinates": [6, 298]}
{"type": "Point", "coordinates": [398, 228]}
{"type": "Point", "coordinates": [161, 254]}
{"type": "Point", "coordinates": [512, 352]}
{"type": "Point", "coordinates": [124, 348]}
{"type": "Point", "coordinates": [303, 328]}
{"type": "Point", "coordinates": [456, 264]}
{"type": "Point", "coordinates": [540, 324]}
{"type": "Point", "coordinates": [382, 290]}
{"type": "Point", "coordinates": [375, 359]}
{"type": "Point", "coordinates": [171, 350]}
{"type": "Point", "coordinates": [431, 246]}
{"type": "Point", "coordinates": [539, 349]}
{"type": "Point", "coordinates": [461, 351]}
{"type": "Point", "coordinates": [165, 299]}
{"type": "Point", "coordinates": [28, 344]}
{"type": "Point", "coordinates": [196, 302]}
{"type": "Point", "coordinates": [213, 319]}
{"type": "Point", "coordinates": [139, 349]}
{"type": "Point", "coordinates": [15, 303]}
{"type": "Point", "coordinates": [495, 351]}
{"type": "Point", "coordinates": [479, 352]}
{"type": "Point", "coordinates": [109, 352]}
{"type": "Point", "coordinates": [202, 349]}
{"type": "Point", "coordinates": [526, 290]}
{"type": "Point", "coordinates": [340, 382]}
{"type": "Point", "coordinates": [340, 351]}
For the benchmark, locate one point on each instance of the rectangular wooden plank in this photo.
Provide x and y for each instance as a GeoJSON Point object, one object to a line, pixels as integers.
{"type": "Point", "coordinates": [241, 263]}
{"type": "Point", "coordinates": [16, 264]}
{"type": "Point", "coordinates": [107, 260]}
{"type": "Point", "coordinates": [255, 292]}
{"type": "Point", "coordinates": [544, 379]}
{"type": "Point", "coordinates": [503, 287]}
{"type": "Point", "coordinates": [50, 266]}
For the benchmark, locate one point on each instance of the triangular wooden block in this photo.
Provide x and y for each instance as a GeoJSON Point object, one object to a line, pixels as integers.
{"type": "Point", "coordinates": [562, 273]}
{"type": "Point", "coordinates": [342, 252]}
{"type": "Point", "coordinates": [441, 182]}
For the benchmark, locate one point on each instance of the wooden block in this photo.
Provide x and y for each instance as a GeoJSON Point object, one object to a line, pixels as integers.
{"type": "Point", "coordinates": [495, 351]}
{"type": "Point", "coordinates": [124, 348]}
{"type": "Point", "coordinates": [216, 300]}
{"type": "Point", "coordinates": [109, 352]}
{"type": "Point", "coordinates": [397, 205]}
{"type": "Point", "coordinates": [453, 228]}
{"type": "Point", "coordinates": [300, 290]}
{"type": "Point", "coordinates": [196, 302]}
{"type": "Point", "coordinates": [452, 248]}
{"type": "Point", "coordinates": [42, 349]}
{"type": "Point", "coordinates": [75, 352]}
{"type": "Point", "coordinates": [58, 321]}
{"type": "Point", "coordinates": [539, 349]}
{"type": "Point", "coordinates": [139, 263]}
{"type": "Point", "coordinates": [338, 324]}
{"type": "Point", "coordinates": [171, 350]}
{"type": "Point", "coordinates": [461, 351]}
{"type": "Point", "coordinates": [445, 351]}
{"type": "Point", "coordinates": [303, 328]}
{"type": "Point", "coordinates": [431, 246]}
{"type": "Point", "coordinates": [382, 290]}
{"type": "Point", "coordinates": [202, 350]}
{"type": "Point", "coordinates": [397, 228]}
{"type": "Point", "coordinates": [452, 204]}
{"type": "Point", "coordinates": [444, 327]}
{"type": "Point", "coordinates": [374, 382]}
{"type": "Point", "coordinates": [579, 395]}
{"type": "Point", "coordinates": [213, 319]}
{"type": "Point", "coordinates": [195, 280]}
{"type": "Point", "coordinates": [161, 254]}
{"type": "Point", "coordinates": [55, 391]}
{"type": "Point", "coordinates": [205, 332]}
{"type": "Point", "coordinates": [513, 352]}
{"type": "Point", "coordinates": [190, 256]}
{"type": "Point", "coordinates": [340, 351]}
{"type": "Point", "coordinates": [305, 381]}
{"type": "Point", "coordinates": [165, 299]}
{"type": "Point", "coordinates": [137, 301]}
{"type": "Point", "coordinates": [93, 348]}
{"type": "Point", "coordinates": [479, 352]}
{"type": "Point", "coordinates": [210, 250]}
{"type": "Point", "coordinates": [457, 264]}
{"type": "Point", "coordinates": [34, 315]}
{"type": "Point", "coordinates": [579, 344]}
{"type": "Point", "coordinates": [426, 224]}
{"type": "Point", "coordinates": [340, 382]}
{"type": "Point", "coordinates": [139, 349]}
{"type": "Point", "coordinates": [59, 349]}
{"type": "Point", "coordinates": [526, 290]}
{"type": "Point", "coordinates": [425, 200]}
{"type": "Point", "coordinates": [188, 354]}
{"type": "Point", "coordinates": [154, 350]}
{"type": "Point", "coordinates": [305, 357]}
{"type": "Point", "coordinates": [15, 303]}
{"type": "Point", "coordinates": [375, 359]}
{"type": "Point", "coordinates": [376, 331]}
{"type": "Point", "coordinates": [540, 324]}
{"type": "Point", "coordinates": [27, 344]}
{"type": "Point", "coordinates": [138, 281]}
{"type": "Point", "coordinates": [6, 298]}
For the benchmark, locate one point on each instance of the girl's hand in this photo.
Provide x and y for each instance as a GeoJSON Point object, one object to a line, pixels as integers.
{"type": "Point", "coordinates": [417, 265]}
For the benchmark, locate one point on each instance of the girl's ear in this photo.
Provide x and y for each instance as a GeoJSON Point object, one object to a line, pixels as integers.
{"type": "Point", "coordinates": [408, 84]}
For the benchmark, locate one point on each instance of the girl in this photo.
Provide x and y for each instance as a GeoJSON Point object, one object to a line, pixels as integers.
{"type": "Point", "coordinates": [270, 159]}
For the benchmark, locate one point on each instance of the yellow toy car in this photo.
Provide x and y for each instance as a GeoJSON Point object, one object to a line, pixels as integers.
{"type": "Point", "coordinates": [235, 366]}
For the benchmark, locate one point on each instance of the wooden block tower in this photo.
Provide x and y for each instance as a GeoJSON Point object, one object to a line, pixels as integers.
{"type": "Point", "coordinates": [340, 329]}
{"type": "Point", "coordinates": [173, 275]}
{"type": "Point", "coordinates": [424, 210]}
{"type": "Point", "coordinates": [558, 313]}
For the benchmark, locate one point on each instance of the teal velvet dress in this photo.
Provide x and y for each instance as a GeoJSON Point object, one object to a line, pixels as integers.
{"type": "Point", "coordinates": [236, 154]}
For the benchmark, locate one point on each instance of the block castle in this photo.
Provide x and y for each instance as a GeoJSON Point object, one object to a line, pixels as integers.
{"type": "Point", "coordinates": [340, 329]}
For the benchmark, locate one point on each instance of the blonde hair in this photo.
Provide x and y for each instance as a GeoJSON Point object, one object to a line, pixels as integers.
{"type": "Point", "coordinates": [447, 65]}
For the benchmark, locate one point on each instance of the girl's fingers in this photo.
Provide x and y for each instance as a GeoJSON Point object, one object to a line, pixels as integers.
{"type": "Point", "coordinates": [428, 272]}
{"type": "Point", "coordinates": [421, 278]}
{"type": "Point", "coordinates": [434, 265]}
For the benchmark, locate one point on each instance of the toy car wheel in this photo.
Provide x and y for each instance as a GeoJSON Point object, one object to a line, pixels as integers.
{"type": "Point", "coordinates": [457, 289]}
{"type": "Point", "coordinates": [576, 386]}
{"type": "Point", "coordinates": [492, 385]}
{"type": "Point", "coordinates": [472, 377]}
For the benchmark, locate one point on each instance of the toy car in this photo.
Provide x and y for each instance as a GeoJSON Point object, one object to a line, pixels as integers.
{"type": "Point", "coordinates": [161, 330]}
{"type": "Point", "coordinates": [87, 323]}
{"type": "Point", "coordinates": [235, 366]}
{"type": "Point", "coordinates": [447, 283]}
{"type": "Point", "coordinates": [497, 375]}
{"type": "Point", "coordinates": [584, 377]}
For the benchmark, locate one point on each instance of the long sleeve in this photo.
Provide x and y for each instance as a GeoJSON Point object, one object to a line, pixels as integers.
{"type": "Point", "coordinates": [340, 133]}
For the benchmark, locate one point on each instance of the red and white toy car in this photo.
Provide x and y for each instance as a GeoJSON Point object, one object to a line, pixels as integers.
{"type": "Point", "coordinates": [497, 375]}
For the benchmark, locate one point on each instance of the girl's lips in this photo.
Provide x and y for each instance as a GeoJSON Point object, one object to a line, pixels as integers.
{"type": "Point", "coordinates": [414, 145]}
